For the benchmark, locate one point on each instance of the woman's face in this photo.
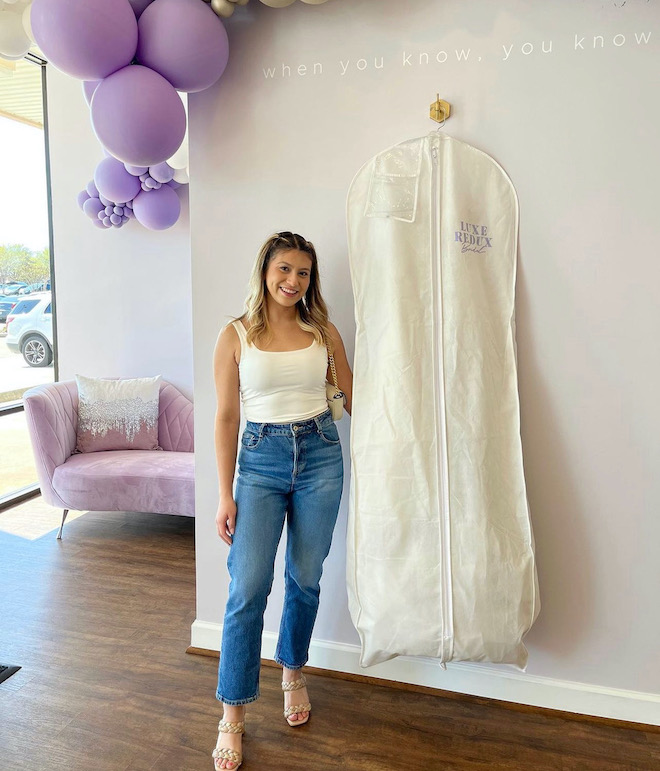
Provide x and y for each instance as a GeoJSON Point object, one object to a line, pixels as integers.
{"type": "Point", "coordinates": [288, 275]}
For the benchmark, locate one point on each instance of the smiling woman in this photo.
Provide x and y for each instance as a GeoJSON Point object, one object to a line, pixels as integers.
{"type": "Point", "coordinates": [274, 360]}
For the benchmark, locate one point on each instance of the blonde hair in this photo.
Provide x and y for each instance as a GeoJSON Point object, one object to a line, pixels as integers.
{"type": "Point", "coordinates": [311, 310]}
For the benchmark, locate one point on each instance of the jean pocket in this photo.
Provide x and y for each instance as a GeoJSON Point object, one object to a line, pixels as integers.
{"type": "Point", "coordinates": [328, 432]}
{"type": "Point", "coordinates": [251, 441]}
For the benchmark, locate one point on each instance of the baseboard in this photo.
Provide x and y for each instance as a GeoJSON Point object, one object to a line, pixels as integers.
{"type": "Point", "coordinates": [484, 680]}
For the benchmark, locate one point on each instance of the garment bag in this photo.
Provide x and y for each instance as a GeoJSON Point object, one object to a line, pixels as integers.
{"type": "Point", "coordinates": [440, 545]}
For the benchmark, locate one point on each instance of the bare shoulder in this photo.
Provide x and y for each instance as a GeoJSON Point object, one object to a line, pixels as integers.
{"type": "Point", "coordinates": [228, 344]}
{"type": "Point", "coordinates": [334, 332]}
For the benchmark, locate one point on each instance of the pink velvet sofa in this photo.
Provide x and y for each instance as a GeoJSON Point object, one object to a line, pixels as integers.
{"type": "Point", "coordinates": [156, 481]}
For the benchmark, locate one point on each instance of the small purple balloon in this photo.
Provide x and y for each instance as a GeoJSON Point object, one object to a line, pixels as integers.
{"type": "Point", "coordinates": [83, 195]}
{"type": "Point", "coordinates": [114, 182]}
{"type": "Point", "coordinates": [91, 189]}
{"type": "Point", "coordinates": [88, 87]}
{"type": "Point", "coordinates": [102, 214]}
{"type": "Point", "coordinates": [185, 42]}
{"type": "Point", "coordinates": [124, 219]}
{"type": "Point", "coordinates": [136, 171]}
{"type": "Point", "coordinates": [129, 213]}
{"type": "Point", "coordinates": [115, 219]}
{"type": "Point", "coordinates": [105, 201]}
{"type": "Point", "coordinates": [92, 207]}
{"type": "Point", "coordinates": [118, 210]}
{"type": "Point", "coordinates": [109, 210]}
{"type": "Point", "coordinates": [157, 209]}
{"type": "Point", "coordinates": [107, 222]}
{"type": "Point", "coordinates": [138, 116]}
{"type": "Point", "coordinates": [162, 172]}
{"type": "Point", "coordinates": [87, 40]}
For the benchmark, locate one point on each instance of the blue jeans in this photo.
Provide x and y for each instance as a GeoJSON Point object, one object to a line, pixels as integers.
{"type": "Point", "coordinates": [294, 470]}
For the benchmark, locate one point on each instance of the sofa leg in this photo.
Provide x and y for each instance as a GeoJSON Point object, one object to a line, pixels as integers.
{"type": "Point", "coordinates": [59, 535]}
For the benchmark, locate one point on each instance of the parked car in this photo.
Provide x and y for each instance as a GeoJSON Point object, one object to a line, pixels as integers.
{"type": "Point", "coordinates": [6, 306]}
{"type": "Point", "coordinates": [30, 329]}
{"type": "Point", "coordinates": [39, 286]}
{"type": "Point", "coordinates": [12, 287]}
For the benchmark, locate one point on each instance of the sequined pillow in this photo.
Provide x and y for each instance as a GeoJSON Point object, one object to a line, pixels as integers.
{"type": "Point", "coordinates": [117, 414]}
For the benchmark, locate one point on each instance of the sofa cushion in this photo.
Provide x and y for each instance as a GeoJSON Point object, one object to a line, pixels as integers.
{"type": "Point", "coordinates": [115, 414]}
{"type": "Point", "coordinates": [128, 480]}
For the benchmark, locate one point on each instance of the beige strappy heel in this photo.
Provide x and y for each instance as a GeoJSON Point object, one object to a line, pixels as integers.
{"type": "Point", "coordinates": [295, 685]}
{"type": "Point", "coordinates": [225, 753]}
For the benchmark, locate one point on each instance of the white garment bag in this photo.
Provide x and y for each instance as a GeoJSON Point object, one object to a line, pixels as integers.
{"type": "Point", "coordinates": [440, 545]}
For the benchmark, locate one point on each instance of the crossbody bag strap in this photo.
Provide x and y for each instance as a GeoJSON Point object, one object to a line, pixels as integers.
{"type": "Point", "coordinates": [331, 360]}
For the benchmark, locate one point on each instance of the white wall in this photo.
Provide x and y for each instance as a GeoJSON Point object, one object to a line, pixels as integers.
{"type": "Point", "coordinates": [576, 130]}
{"type": "Point", "coordinates": [123, 295]}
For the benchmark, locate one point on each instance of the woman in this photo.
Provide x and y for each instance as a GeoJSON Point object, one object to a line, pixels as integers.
{"type": "Point", "coordinates": [274, 360]}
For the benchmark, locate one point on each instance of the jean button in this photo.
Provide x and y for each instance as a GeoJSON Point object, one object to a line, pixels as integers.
{"type": "Point", "coordinates": [295, 428]}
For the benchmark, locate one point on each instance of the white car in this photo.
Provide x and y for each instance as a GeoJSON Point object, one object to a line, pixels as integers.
{"type": "Point", "coordinates": [30, 329]}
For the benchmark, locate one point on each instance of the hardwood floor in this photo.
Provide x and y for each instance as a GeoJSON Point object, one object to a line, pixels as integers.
{"type": "Point", "coordinates": [100, 623]}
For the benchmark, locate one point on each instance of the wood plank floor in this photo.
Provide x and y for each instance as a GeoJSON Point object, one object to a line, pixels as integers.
{"type": "Point", "coordinates": [100, 623]}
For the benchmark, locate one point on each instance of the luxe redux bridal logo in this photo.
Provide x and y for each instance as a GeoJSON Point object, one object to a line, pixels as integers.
{"type": "Point", "coordinates": [474, 238]}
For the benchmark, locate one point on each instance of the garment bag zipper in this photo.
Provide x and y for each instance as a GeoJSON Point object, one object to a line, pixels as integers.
{"type": "Point", "coordinates": [440, 413]}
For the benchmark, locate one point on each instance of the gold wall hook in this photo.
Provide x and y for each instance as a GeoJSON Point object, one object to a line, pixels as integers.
{"type": "Point", "coordinates": [440, 110]}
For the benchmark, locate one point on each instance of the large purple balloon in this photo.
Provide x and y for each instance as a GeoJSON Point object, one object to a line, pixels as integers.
{"type": "Point", "coordinates": [89, 40]}
{"type": "Point", "coordinates": [138, 116]}
{"type": "Point", "coordinates": [184, 41]}
{"type": "Point", "coordinates": [114, 182]}
{"type": "Point", "coordinates": [157, 209]}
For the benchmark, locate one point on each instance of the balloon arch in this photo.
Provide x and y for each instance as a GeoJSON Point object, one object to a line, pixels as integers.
{"type": "Point", "coordinates": [135, 59]}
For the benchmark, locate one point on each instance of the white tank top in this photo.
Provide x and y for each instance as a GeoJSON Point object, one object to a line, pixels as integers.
{"type": "Point", "coordinates": [281, 386]}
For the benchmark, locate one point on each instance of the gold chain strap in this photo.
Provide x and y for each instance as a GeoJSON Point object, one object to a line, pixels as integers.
{"type": "Point", "coordinates": [334, 371]}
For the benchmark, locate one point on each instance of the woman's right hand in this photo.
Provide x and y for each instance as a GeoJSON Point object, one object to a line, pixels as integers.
{"type": "Point", "coordinates": [225, 519]}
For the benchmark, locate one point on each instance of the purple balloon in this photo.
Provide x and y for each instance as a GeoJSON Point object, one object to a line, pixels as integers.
{"type": "Point", "coordinates": [83, 195]}
{"type": "Point", "coordinates": [114, 182]}
{"type": "Point", "coordinates": [92, 207]}
{"type": "Point", "coordinates": [102, 214]}
{"type": "Point", "coordinates": [91, 189]}
{"type": "Point", "coordinates": [107, 222]}
{"type": "Point", "coordinates": [139, 6]}
{"type": "Point", "coordinates": [162, 172]}
{"type": "Point", "coordinates": [129, 204]}
{"type": "Point", "coordinates": [124, 219]}
{"type": "Point", "coordinates": [88, 87]}
{"type": "Point", "coordinates": [89, 40]}
{"type": "Point", "coordinates": [128, 213]}
{"type": "Point", "coordinates": [157, 209]}
{"type": "Point", "coordinates": [185, 42]}
{"type": "Point", "coordinates": [138, 116]}
{"type": "Point", "coordinates": [105, 201]}
{"type": "Point", "coordinates": [136, 171]}
{"type": "Point", "coordinates": [115, 219]}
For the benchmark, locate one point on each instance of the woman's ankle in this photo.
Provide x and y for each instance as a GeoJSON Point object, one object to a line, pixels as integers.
{"type": "Point", "coordinates": [233, 713]}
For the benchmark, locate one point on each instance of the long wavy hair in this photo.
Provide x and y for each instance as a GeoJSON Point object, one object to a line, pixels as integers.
{"type": "Point", "coordinates": [311, 310]}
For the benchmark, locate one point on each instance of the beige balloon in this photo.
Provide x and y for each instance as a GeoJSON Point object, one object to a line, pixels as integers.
{"type": "Point", "coordinates": [223, 8]}
{"type": "Point", "coordinates": [278, 3]}
{"type": "Point", "coordinates": [27, 23]}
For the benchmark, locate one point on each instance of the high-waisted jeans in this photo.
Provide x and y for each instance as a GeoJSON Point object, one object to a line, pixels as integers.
{"type": "Point", "coordinates": [293, 470]}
